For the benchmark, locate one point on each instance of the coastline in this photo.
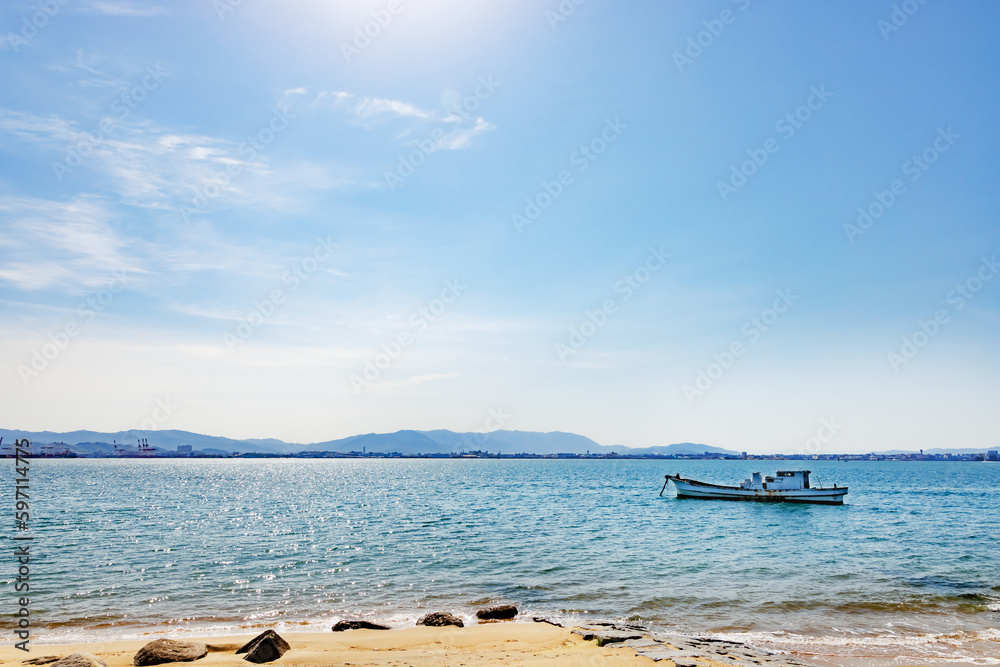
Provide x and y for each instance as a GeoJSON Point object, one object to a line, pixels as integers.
{"type": "Point", "coordinates": [841, 649]}
{"type": "Point", "coordinates": [520, 642]}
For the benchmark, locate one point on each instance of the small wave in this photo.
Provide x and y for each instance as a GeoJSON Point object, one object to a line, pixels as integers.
{"type": "Point", "coordinates": [942, 582]}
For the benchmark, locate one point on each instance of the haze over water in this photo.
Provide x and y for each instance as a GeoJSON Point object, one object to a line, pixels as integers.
{"type": "Point", "coordinates": [906, 569]}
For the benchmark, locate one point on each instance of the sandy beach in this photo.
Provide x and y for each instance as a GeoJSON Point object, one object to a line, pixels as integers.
{"type": "Point", "coordinates": [483, 644]}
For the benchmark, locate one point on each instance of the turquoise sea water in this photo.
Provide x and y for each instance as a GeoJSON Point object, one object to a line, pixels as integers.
{"type": "Point", "coordinates": [908, 569]}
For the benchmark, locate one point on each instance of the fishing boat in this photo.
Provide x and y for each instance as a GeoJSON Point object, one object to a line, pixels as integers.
{"type": "Point", "coordinates": [787, 486]}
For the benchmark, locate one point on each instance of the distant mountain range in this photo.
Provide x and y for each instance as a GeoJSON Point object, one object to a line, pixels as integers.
{"type": "Point", "coordinates": [408, 443]}
{"type": "Point", "coordinates": [938, 450]}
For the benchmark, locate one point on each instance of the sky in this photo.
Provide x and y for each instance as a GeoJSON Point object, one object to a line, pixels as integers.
{"type": "Point", "coordinates": [769, 227]}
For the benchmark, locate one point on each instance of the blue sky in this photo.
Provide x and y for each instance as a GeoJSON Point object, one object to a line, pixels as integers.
{"type": "Point", "coordinates": [634, 221]}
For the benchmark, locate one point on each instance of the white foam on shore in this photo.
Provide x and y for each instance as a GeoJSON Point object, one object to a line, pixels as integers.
{"type": "Point", "coordinates": [195, 630]}
{"type": "Point", "coordinates": [965, 647]}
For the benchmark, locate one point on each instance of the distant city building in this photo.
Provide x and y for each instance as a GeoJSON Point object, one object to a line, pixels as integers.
{"type": "Point", "coordinates": [992, 455]}
{"type": "Point", "coordinates": [183, 449]}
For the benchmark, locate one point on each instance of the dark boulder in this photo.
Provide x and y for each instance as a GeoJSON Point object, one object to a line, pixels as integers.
{"type": "Point", "coordinates": [499, 612]}
{"type": "Point", "coordinates": [167, 650]}
{"type": "Point", "coordinates": [265, 647]}
{"type": "Point", "coordinates": [358, 625]}
{"type": "Point", "coordinates": [440, 619]}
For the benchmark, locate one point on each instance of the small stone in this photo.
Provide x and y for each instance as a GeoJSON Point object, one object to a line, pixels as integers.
{"type": "Point", "coordinates": [500, 612]}
{"type": "Point", "coordinates": [440, 619]}
{"type": "Point", "coordinates": [167, 650]}
{"type": "Point", "coordinates": [265, 647]}
{"type": "Point", "coordinates": [80, 660]}
{"type": "Point", "coordinates": [358, 625]}
{"type": "Point", "coordinates": [41, 660]}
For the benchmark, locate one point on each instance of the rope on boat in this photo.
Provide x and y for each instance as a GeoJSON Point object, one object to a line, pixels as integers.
{"type": "Point", "coordinates": [665, 482]}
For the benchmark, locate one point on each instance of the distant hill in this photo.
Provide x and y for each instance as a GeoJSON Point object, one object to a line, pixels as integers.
{"type": "Point", "coordinates": [407, 442]}
{"type": "Point", "coordinates": [404, 442]}
{"type": "Point", "coordinates": [167, 440]}
{"type": "Point", "coordinates": [556, 442]}
{"type": "Point", "coordinates": [515, 442]}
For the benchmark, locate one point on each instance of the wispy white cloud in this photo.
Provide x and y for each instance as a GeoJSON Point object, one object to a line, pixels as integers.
{"type": "Point", "coordinates": [365, 110]}
{"type": "Point", "coordinates": [71, 245]}
{"type": "Point", "coordinates": [373, 106]}
{"type": "Point", "coordinates": [460, 138]}
{"type": "Point", "coordinates": [77, 245]}
{"type": "Point", "coordinates": [331, 100]}
{"type": "Point", "coordinates": [147, 165]}
{"type": "Point", "coordinates": [123, 8]}
{"type": "Point", "coordinates": [30, 127]}
{"type": "Point", "coordinates": [88, 64]}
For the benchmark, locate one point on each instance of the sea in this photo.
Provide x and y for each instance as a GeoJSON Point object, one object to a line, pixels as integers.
{"type": "Point", "coordinates": [906, 572]}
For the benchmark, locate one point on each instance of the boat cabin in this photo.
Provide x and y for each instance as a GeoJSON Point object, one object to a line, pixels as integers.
{"type": "Point", "coordinates": [783, 480]}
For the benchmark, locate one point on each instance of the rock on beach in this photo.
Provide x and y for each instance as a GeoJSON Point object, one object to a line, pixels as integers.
{"type": "Point", "coordinates": [79, 660]}
{"type": "Point", "coordinates": [167, 650]}
{"type": "Point", "coordinates": [358, 625]}
{"type": "Point", "coordinates": [440, 619]}
{"type": "Point", "coordinates": [265, 647]}
{"type": "Point", "coordinates": [497, 613]}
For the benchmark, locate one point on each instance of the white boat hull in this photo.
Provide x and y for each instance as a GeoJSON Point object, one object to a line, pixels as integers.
{"type": "Point", "coordinates": [687, 488]}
